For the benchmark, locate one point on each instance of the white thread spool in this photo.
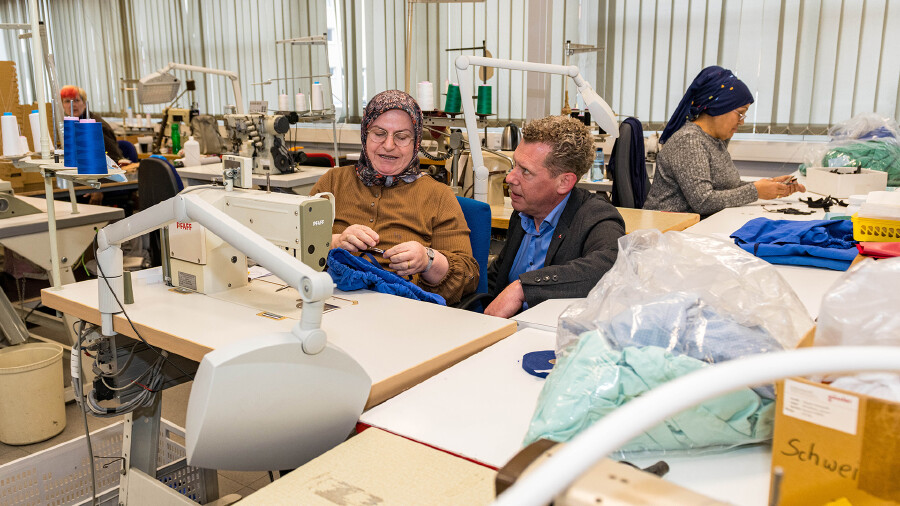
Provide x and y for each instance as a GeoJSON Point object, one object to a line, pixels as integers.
{"type": "Point", "coordinates": [35, 121]}
{"type": "Point", "coordinates": [300, 104]}
{"type": "Point", "coordinates": [317, 97]}
{"type": "Point", "coordinates": [10, 128]}
{"type": "Point", "coordinates": [284, 102]}
{"type": "Point", "coordinates": [425, 95]}
{"type": "Point", "coordinates": [23, 144]}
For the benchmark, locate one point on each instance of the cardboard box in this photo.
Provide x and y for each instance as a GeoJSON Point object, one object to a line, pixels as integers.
{"type": "Point", "coordinates": [13, 175]}
{"type": "Point", "coordinates": [834, 444]}
{"type": "Point", "coordinates": [823, 181]}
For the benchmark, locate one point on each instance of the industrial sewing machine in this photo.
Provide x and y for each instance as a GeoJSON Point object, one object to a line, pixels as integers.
{"type": "Point", "coordinates": [259, 138]}
{"type": "Point", "coordinates": [10, 205]}
{"type": "Point", "coordinates": [202, 262]}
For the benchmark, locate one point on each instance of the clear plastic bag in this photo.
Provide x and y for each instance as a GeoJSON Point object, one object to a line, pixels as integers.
{"type": "Point", "coordinates": [741, 287]}
{"type": "Point", "coordinates": [865, 140]}
{"type": "Point", "coordinates": [861, 307]}
{"type": "Point", "coordinates": [671, 304]}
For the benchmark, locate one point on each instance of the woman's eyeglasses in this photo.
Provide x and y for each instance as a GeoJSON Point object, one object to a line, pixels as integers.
{"type": "Point", "coordinates": [742, 117]}
{"type": "Point", "coordinates": [379, 136]}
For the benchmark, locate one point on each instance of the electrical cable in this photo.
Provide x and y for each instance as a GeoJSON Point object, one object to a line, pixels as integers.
{"type": "Point", "coordinates": [125, 313]}
{"type": "Point", "coordinates": [80, 400]}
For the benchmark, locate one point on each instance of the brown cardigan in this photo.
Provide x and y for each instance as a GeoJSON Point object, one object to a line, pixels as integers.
{"type": "Point", "coordinates": [425, 211]}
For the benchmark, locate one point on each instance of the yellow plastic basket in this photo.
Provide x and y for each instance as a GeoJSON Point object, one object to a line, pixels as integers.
{"type": "Point", "coordinates": [874, 230]}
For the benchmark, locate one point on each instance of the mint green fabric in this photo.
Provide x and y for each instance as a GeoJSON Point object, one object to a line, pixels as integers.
{"type": "Point", "coordinates": [874, 154]}
{"type": "Point", "coordinates": [592, 380]}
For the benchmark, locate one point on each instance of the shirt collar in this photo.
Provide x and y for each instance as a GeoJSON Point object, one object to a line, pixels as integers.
{"type": "Point", "coordinates": [552, 218]}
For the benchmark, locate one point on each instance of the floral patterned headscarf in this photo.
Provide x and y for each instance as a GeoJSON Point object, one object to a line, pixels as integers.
{"type": "Point", "coordinates": [380, 104]}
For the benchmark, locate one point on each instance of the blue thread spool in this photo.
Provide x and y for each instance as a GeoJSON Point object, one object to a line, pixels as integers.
{"type": "Point", "coordinates": [70, 155]}
{"type": "Point", "coordinates": [91, 155]}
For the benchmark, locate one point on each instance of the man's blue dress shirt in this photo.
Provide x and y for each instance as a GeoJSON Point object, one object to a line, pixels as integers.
{"type": "Point", "coordinates": [533, 250]}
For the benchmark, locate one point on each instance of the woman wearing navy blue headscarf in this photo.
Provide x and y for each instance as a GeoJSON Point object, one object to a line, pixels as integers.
{"type": "Point", "coordinates": [694, 172]}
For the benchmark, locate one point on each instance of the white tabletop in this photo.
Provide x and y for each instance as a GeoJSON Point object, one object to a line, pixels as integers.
{"type": "Point", "coordinates": [809, 283]}
{"type": "Point", "coordinates": [397, 341]}
{"type": "Point", "coordinates": [35, 223]}
{"type": "Point", "coordinates": [543, 316]}
{"type": "Point", "coordinates": [305, 175]}
{"type": "Point", "coordinates": [481, 408]}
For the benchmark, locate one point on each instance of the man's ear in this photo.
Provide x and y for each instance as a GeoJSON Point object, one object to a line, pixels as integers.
{"type": "Point", "coordinates": [566, 182]}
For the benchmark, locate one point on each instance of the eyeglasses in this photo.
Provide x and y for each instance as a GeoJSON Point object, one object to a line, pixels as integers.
{"type": "Point", "coordinates": [379, 136]}
{"type": "Point", "coordinates": [742, 117]}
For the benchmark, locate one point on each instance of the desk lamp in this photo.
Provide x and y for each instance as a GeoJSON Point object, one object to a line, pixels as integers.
{"type": "Point", "coordinates": [600, 110]}
{"type": "Point", "coordinates": [646, 411]}
{"type": "Point", "coordinates": [161, 87]}
{"type": "Point", "coordinates": [273, 401]}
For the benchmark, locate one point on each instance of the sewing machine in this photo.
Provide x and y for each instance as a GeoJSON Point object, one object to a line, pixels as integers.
{"type": "Point", "coordinates": [260, 137]}
{"type": "Point", "coordinates": [202, 262]}
{"type": "Point", "coordinates": [10, 205]}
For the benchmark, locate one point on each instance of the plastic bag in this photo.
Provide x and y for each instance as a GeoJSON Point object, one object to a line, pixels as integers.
{"type": "Point", "coordinates": [865, 140]}
{"type": "Point", "coordinates": [861, 307]}
{"type": "Point", "coordinates": [671, 304]}
{"type": "Point", "coordinates": [741, 287]}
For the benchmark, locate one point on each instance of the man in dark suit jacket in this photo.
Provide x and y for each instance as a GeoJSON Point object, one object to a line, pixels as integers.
{"type": "Point", "coordinates": [561, 239]}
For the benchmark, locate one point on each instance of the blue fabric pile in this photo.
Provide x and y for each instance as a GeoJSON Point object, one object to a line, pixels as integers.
{"type": "Point", "coordinates": [351, 272]}
{"type": "Point", "coordinates": [818, 243]}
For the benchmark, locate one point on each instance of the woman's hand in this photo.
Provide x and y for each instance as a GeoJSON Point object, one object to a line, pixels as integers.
{"type": "Point", "coordinates": [407, 258]}
{"type": "Point", "coordinates": [777, 187]}
{"type": "Point", "coordinates": [355, 238]}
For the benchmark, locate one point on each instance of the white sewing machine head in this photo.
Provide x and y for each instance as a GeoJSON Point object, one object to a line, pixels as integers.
{"type": "Point", "coordinates": [201, 262]}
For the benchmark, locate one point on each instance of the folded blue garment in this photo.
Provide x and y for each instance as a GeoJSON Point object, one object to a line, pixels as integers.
{"type": "Point", "coordinates": [818, 243]}
{"type": "Point", "coordinates": [351, 272]}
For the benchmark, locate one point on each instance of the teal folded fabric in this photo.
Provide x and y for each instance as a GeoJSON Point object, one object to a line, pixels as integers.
{"type": "Point", "coordinates": [593, 379]}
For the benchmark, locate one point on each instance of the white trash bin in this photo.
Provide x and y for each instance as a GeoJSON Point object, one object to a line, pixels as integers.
{"type": "Point", "coordinates": [32, 407]}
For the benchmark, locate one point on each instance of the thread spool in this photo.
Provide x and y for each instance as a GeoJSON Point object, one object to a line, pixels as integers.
{"type": "Point", "coordinates": [317, 97]}
{"type": "Point", "coordinates": [35, 120]}
{"type": "Point", "coordinates": [485, 101]}
{"type": "Point", "coordinates": [454, 99]}
{"type": "Point", "coordinates": [23, 144]}
{"type": "Point", "coordinates": [300, 104]}
{"type": "Point", "coordinates": [284, 102]}
{"type": "Point", "coordinates": [70, 146]}
{"type": "Point", "coordinates": [425, 94]}
{"type": "Point", "coordinates": [9, 126]}
{"type": "Point", "coordinates": [91, 155]}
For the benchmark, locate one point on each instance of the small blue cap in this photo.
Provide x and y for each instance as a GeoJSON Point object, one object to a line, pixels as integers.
{"type": "Point", "coordinates": [35, 110]}
{"type": "Point", "coordinates": [7, 114]}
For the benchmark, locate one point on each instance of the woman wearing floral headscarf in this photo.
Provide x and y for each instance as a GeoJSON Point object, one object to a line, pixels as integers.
{"type": "Point", "coordinates": [694, 172]}
{"type": "Point", "coordinates": [385, 203]}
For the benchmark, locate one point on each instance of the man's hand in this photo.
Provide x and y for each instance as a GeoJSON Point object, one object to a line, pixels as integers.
{"type": "Point", "coordinates": [509, 302]}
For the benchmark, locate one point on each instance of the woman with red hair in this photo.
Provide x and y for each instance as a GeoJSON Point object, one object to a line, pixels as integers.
{"type": "Point", "coordinates": [74, 101]}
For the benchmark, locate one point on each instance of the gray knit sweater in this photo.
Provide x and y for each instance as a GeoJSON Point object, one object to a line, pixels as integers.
{"type": "Point", "coordinates": [695, 174]}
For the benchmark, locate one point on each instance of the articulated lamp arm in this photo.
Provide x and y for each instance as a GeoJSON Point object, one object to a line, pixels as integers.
{"type": "Point", "coordinates": [314, 287]}
{"type": "Point", "coordinates": [600, 110]}
{"type": "Point", "coordinates": [235, 82]}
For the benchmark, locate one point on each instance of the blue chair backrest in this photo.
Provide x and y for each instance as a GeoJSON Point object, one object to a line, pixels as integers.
{"type": "Point", "coordinates": [128, 150]}
{"type": "Point", "coordinates": [478, 218]}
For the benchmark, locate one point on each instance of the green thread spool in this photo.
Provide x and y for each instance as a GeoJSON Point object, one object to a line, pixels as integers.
{"type": "Point", "coordinates": [485, 105]}
{"type": "Point", "coordinates": [454, 100]}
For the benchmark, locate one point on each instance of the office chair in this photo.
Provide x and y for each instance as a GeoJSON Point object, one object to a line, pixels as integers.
{"type": "Point", "coordinates": [157, 181]}
{"type": "Point", "coordinates": [478, 219]}
{"type": "Point", "coordinates": [128, 150]}
{"type": "Point", "coordinates": [628, 165]}
{"type": "Point", "coordinates": [319, 160]}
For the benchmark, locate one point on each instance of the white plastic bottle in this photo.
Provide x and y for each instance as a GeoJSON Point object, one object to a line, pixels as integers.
{"type": "Point", "coordinates": [191, 153]}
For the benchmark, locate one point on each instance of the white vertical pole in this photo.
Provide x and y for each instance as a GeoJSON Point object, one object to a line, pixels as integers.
{"type": "Point", "coordinates": [37, 55]}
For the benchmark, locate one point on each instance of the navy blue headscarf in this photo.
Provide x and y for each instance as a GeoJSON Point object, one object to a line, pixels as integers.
{"type": "Point", "coordinates": [714, 91]}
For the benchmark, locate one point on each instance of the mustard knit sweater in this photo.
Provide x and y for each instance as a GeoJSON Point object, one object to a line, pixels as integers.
{"type": "Point", "coordinates": [425, 211]}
